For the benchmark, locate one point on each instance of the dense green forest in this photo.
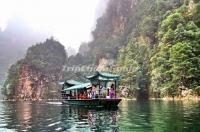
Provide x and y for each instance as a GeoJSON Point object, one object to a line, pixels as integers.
{"type": "Point", "coordinates": [159, 39]}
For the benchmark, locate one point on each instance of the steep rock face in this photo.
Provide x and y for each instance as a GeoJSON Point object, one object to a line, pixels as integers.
{"type": "Point", "coordinates": [114, 20]}
{"type": "Point", "coordinates": [121, 10]}
{"type": "Point", "coordinates": [112, 29]}
{"type": "Point", "coordinates": [119, 25]}
{"type": "Point", "coordinates": [24, 88]}
{"type": "Point", "coordinates": [31, 83]}
{"type": "Point", "coordinates": [111, 32]}
{"type": "Point", "coordinates": [127, 33]}
{"type": "Point", "coordinates": [37, 75]}
{"type": "Point", "coordinates": [34, 84]}
{"type": "Point", "coordinates": [14, 41]}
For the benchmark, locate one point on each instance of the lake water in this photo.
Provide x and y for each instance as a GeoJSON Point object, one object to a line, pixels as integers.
{"type": "Point", "coordinates": [131, 116]}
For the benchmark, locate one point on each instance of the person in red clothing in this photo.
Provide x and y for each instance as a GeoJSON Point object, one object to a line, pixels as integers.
{"type": "Point", "coordinates": [84, 95]}
{"type": "Point", "coordinates": [80, 96]}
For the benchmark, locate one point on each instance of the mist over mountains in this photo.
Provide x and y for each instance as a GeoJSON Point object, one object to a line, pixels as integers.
{"type": "Point", "coordinates": [18, 36]}
{"type": "Point", "coordinates": [14, 41]}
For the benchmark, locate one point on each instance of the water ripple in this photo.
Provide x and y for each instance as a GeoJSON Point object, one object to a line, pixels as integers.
{"type": "Point", "coordinates": [158, 116]}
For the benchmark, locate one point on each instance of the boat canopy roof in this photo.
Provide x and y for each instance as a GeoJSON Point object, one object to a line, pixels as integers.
{"type": "Point", "coordinates": [103, 76]}
{"type": "Point", "coordinates": [70, 82]}
{"type": "Point", "coordinates": [78, 87]}
{"type": "Point", "coordinates": [94, 79]}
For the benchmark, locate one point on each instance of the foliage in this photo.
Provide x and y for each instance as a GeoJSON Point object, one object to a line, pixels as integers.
{"type": "Point", "coordinates": [139, 34]}
{"type": "Point", "coordinates": [175, 64]}
{"type": "Point", "coordinates": [131, 64]}
{"type": "Point", "coordinates": [13, 75]}
{"type": "Point", "coordinates": [47, 56]}
{"type": "Point", "coordinates": [147, 17]}
{"type": "Point", "coordinates": [157, 41]}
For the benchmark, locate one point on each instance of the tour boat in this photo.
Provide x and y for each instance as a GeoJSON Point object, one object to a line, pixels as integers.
{"type": "Point", "coordinates": [79, 93]}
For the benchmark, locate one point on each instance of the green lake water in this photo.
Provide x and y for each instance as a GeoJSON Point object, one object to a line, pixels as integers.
{"type": "Point", "coordinates": [131, 116]}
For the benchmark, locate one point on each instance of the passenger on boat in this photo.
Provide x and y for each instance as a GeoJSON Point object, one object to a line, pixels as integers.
{"type": "Point", "coordinates": [112, 92]}
{"type": "Point", "coordinates": [102, 91]}
{"type": "Point", "coordinates": [89, 96]}
{"type": "Point", "coordinates": [85, 94]}
{"type": "Point", "coordinates": [93, 91]}
{"type": "Point", "coordinates": [108, 94]}
{"type": "Point", "coordinates": [82, 96]}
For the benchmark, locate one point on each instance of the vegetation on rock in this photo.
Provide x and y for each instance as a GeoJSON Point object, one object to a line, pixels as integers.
{"type": "Point", "coordinates": [36, 76]}
{"type": "Point", "coordinates": [159, 39]}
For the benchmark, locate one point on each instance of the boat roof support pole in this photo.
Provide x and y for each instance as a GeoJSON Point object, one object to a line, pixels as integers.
{"type": "Point", "coordinates": [76, 94]}
{"type": "Point", "coordinates": [99, 89]}
{"type": "Point", "coordinates": [115, 89]}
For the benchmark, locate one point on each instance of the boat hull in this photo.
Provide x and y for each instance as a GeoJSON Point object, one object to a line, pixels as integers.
{"type": "Point", "coordinates": [93, 102]}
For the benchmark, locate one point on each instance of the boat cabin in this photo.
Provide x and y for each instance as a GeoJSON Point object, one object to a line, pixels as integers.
{"type": "Point", "coordinates": [100, 91]}
{"type": "Point", "coordinates": [67, 84]}
{"type": "Point", "coordinates": [102, 79]}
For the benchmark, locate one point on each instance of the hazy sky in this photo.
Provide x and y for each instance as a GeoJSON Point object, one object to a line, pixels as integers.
{"type": "Point", "coordinates": [70, 21]}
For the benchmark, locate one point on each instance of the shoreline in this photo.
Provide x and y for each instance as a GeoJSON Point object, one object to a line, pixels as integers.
{"type": "Point", "coordinates": [191, 98]}
{"type": "Point", "coordinates": [32, 100]}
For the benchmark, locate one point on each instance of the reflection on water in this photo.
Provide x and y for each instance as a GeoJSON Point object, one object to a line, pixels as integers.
{"type": "Point", "coordinates": [32, 116]}
{"type": "Point", "coordinates": [82, 119]}
{"type": "Point", "coordinates": [133, 116]}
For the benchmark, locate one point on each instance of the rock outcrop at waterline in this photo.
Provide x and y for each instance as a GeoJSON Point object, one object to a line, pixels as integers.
{"type": "Point", "coordinates": [32, 84]}
{"type": "Point", "coordinates": [36, 76]}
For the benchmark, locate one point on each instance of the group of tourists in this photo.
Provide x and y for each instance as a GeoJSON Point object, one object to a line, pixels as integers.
{"type": "Point", "coordinates": [92, 93]}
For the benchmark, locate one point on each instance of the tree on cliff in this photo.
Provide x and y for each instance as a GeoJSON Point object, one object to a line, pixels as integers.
{"type": "Point", "coordinates": [175, 64]}
{"type": "Point", "coordinates": [47, 56]}
{"type": "Point", "coordinates": [14, 41]}
{"type": "Point", "coordinates": [127, 32]}
{"type": "Point", "coordinates": [37, 74]}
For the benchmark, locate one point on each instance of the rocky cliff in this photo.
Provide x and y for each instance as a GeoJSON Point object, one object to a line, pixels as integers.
{"type": "Point", "coordinates": [14, 41]}
{"type": "Point", "coordinates": [36, 76]}
{"type": "Point", "coordinates": [110, 28]}
{"type": "Point", "coordinates": [127, 33]}
{"type": "Point", "coordinates": [34, 84]}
